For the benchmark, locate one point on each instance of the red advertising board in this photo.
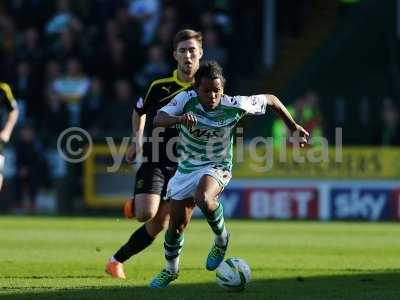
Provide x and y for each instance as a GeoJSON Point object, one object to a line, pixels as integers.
{"type": "Point", "coordinates": [281, 203]}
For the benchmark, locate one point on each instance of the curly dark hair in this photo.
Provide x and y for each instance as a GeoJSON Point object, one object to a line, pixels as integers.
{"type": "Point", "coordinates": [210, 70]}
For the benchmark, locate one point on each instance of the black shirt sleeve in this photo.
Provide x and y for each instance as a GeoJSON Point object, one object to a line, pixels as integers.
{"type": "Point", "coordinates": [144, 105]}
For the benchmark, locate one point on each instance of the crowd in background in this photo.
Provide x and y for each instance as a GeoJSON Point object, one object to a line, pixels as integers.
{"type": "Point", "coordinates": [84, 63]}
{"type": "Point", "coordinates": [81, 63]}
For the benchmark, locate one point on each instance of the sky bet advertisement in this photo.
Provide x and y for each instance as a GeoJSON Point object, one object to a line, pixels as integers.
{"type": "Point", "coordinates": [370, 201]}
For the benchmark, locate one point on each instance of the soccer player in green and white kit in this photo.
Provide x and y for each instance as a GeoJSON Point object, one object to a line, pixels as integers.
{"type": "Point", "coordinates": [205, 118]}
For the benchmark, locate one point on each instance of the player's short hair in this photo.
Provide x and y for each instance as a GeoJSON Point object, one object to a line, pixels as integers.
{"type": "Point", "coordinates": [210, 70]}
{"type": "Point", "coordinates": [187, 34]}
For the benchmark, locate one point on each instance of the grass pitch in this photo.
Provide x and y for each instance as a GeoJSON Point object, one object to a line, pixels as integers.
{"type": "Point", "coordinates": [63, 258]}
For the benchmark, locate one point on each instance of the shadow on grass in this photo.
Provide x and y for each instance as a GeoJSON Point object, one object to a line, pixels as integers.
{"type": "Point", "coordinates": [354, 286]}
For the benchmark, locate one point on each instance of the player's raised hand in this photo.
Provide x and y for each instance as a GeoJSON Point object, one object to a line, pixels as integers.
{"type": "Point", "coordinates": [189, 120]}
{"type": "Point", "coordinates": [300, 135]}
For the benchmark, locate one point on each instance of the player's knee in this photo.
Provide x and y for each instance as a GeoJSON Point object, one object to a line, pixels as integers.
{"type": "Point", "coordinates": [204, 200]}
{"type": "Point", "coordinates": [144, 215]}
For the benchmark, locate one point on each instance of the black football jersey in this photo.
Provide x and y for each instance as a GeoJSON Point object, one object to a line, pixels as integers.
{"type": "Point", "coordinates": [160, 92]}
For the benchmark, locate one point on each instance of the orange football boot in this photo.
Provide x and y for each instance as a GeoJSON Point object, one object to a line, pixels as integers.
{"type": "Point", "coordinates": [115, 269]}
{"type": "Point", "coordinates": [129, 208]}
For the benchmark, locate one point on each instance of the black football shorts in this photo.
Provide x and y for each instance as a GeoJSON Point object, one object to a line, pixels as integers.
{"type": "Point", "coordinates": [152, 178]}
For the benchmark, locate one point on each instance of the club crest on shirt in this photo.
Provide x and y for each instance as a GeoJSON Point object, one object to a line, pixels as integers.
{"type": "Point", "coordinates": [139, 103]}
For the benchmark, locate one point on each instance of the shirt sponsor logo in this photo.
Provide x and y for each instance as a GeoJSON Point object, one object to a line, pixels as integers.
{"type": "Point", "coordinates": [207, 133]}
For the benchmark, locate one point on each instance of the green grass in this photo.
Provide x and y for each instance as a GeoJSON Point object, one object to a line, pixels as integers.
{"type": "Point", "coordinates": [63, 258]}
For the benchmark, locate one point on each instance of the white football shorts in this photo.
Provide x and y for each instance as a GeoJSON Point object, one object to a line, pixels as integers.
{"type": "Point", "coordinates": [183, 185]}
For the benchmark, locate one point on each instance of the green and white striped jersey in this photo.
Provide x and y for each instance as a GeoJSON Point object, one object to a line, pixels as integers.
{"type": "Point", "coordinates": [210, 141]}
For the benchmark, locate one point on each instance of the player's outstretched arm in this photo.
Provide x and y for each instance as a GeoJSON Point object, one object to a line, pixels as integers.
{"type": "Point", "coordinates": [163, 119]}
{"type": "Point", "coordinates": [280, 109]}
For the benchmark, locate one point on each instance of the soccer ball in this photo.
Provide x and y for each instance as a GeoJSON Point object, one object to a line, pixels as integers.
{"type": "Point", "coordinates": [233, 274]}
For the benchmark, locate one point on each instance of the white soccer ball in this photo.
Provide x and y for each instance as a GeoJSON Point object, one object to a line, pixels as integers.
{"type": "Point", "coordinates": [233, 274]}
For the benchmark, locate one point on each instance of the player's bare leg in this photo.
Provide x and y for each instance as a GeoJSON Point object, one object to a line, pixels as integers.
{"type": "Point", "coordinates": [206, 198]}
{"type": "Point", "coordinates": [180, 214]}
{"type": "Point", "coordinates": [160, 220]}
{"type": "Point", "coordinates": [146, 206]}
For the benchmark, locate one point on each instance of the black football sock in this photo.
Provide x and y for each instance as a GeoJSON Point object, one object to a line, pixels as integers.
{"type": "Point", "coordinates": [138, 241]}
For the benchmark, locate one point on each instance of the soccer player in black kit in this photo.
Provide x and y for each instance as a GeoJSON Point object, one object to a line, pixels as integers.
{"type": "Point", "coordinates": [8, 102]}
{"type": "Point", "coordinates": [158, 167]}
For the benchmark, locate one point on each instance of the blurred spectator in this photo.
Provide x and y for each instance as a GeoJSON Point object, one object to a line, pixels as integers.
{"type": "Point", "coordinates": [222, 17]}
{"type": "Point", "coordinates": [310, 115]}
{"type": "Point", "coordinates": [22, 83]}
{"type": "Point", "coordinates": [207, 20]}
{"type": "Point", "coordinates": [72, 87]}
{"type": "Point", "coordinates": [212, 47]}
{"type": "Point", "coordinates": [170, 15]}
{"type": "Point", "coordinates": [29, 165]}
{"type": "Point", "coordinates": [66, 46]}
{"type": "Point", "coordinates": [29, 47]}
{"type": "Point", "coordinates": [280, 132]}
{"type": "Point", "coordinates": [112, 30]}
{"type": "Point", "coordinates": [164, 36]}
{"type": "Point", "coordinates": [63, 19]}
{"type": "Point", "coordinates": [167, 29]}
{"type": "Point", "coordinates": [147, 12]}
{"type": "Point", "coordinates": [388, 133]}
{"type": "Point", "coordinates": [54, 118]}
{"type": "Point", "coordinates": [25, 87]}
{"type": "Point", "coordinates": [114, 61]}
{"type": "Point", "coordinates": [130, 33]}
{"type": "Point", "coordinates": [8, 43]}
{"type": "Point", "coordinates": [92, 105]}
{"type": "Point", "coordinates": [306, 110]}
{"type": "Point", "coordinates": [115, 120]}
{"type": "Point", "coordinates": [155, 67]}
{"type": "Point", "coordinates": [29, 13]}
{"type": "Point", "coordinates": [129, 28]}
{"type": "Point", "coordinates": [101, 10]}
{"type": "Point", "coordinates": [52, 73]}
